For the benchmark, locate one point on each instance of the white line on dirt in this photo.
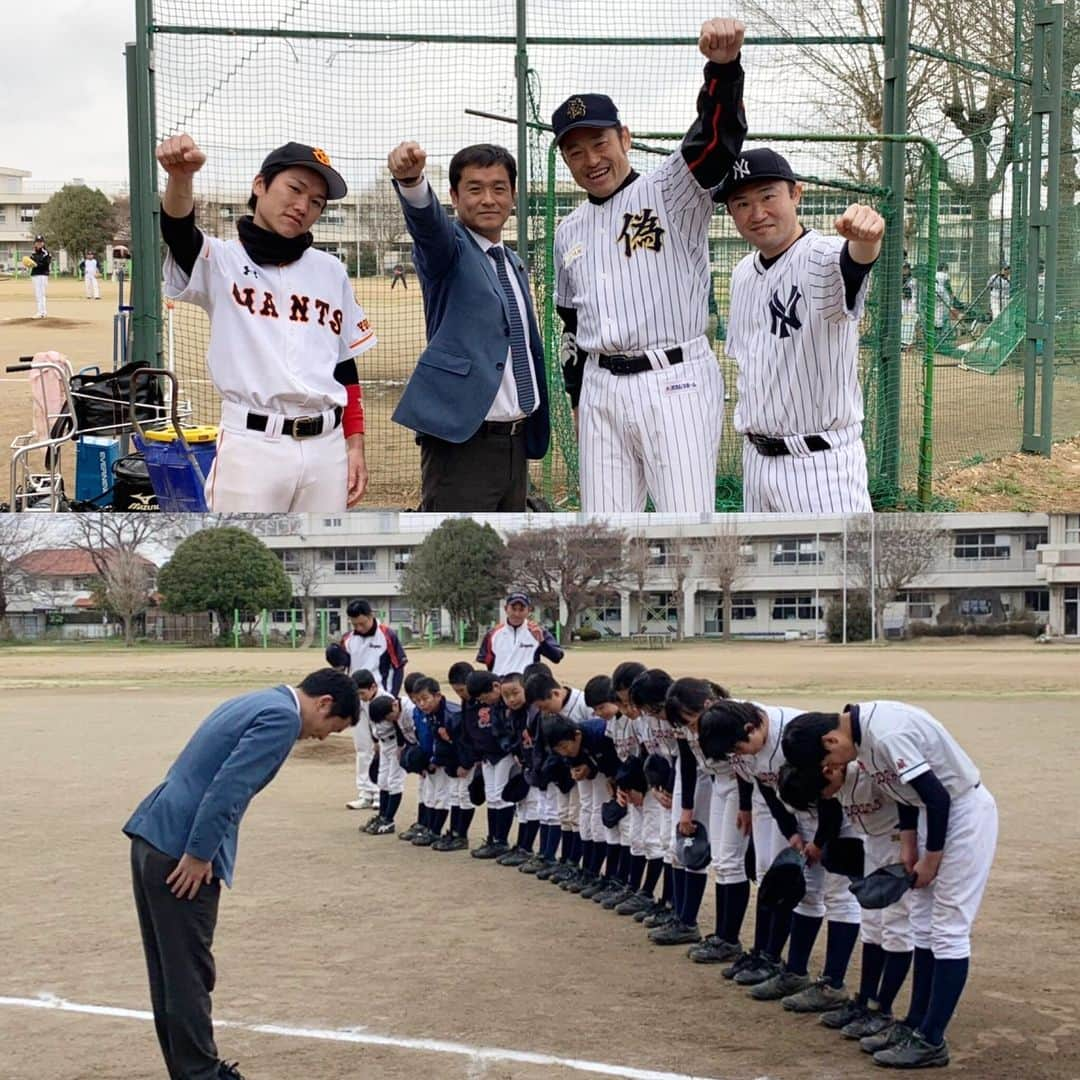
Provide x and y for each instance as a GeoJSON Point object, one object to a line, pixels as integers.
{"type": "Point", "coordinates": [366, 1038]}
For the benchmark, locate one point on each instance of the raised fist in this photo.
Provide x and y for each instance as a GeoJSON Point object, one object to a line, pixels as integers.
{"type": "Point", "coordinates": [406, 161]}
{"type": "Point", "coordinates": [180, 156]}
{"type": "Point", "coordinates": [860, 222]}
{"type": "Point", "coordinates": [721, 39]}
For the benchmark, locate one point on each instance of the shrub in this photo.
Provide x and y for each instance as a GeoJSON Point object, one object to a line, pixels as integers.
{"type": "Point", "coordinates": [588, 633]}
{"type": "Point", "coordinates": [858, 618]}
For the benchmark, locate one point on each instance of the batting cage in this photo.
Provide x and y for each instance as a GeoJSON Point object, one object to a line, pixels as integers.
{"type": "Point", "coordinates": [964, 141]}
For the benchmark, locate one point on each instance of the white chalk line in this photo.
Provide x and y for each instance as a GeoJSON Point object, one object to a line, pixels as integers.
{"type": "Point", "coordinates": [361, 1036]}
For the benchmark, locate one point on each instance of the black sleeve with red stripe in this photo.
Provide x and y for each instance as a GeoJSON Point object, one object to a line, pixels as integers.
{"type": "Point", "coordinates": [716, 136]}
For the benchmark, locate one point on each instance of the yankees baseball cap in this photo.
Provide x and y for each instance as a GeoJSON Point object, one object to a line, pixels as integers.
{"type": "Point", "coordinates": [584, 111]}
{"type": "Point", "coordinates": [750, 167]}
{"type": "Point", "coordinates": [311, 157]}
{"type": "Point", "coordinates": [519, 598]}
{"type": "Point", "coordinates": [39, 239]}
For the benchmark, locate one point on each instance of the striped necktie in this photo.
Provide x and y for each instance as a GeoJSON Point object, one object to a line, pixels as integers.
{"type": "Point", "coordinates": [519, 352]}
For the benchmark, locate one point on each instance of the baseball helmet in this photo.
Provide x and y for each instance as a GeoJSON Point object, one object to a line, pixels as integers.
{"type": "Point", "coordinates": [843, 855]}
{"type": "Point", "coordinates": [415, 759]}
{"type": "Point", "coordinates": [611, 813]}
{"type": "Point", "coordinates": [337, 655]}
{"type": "Point", "coordinates": [693, 852]}
{"type": "Point", "coordinates": [476, 789]}
{"type": "Point", "coordinates": [631, 776]}
{"type": "Point", "coordinates": [516, 788]}
{"type": "Point", "coordinates": [373, 770]}
{"type": "Point", "coordinates": [883, 887]}
{"type": "Point", "coordinates": [784, 883]}
{"type": "Point", "coordinates": [657, 771]}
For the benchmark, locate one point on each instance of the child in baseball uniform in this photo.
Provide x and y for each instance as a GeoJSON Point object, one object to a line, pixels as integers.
{"type": "Point", "coordinates": [529, 821]}
{"type": "Point", "coordinates": [444, 718]}
{"type": "Point", "coordinates": [367, 689]}
{"type": "Point", "coordinates": [285, 331]}
{"type": "Point", "coordinates": [422, 736]}
{"type": "Point", "coordinates": [914, 760]}
{"type": "Point", "coordinates": [487, 730]}
{"type": "Point", "coordinates": [384, 713]}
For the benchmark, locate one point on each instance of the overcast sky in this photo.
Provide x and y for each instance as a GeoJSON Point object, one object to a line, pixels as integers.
{"type": "Point", "coordinates": [62, 82]}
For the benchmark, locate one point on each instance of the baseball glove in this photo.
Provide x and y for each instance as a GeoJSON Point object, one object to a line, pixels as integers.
{"type": "Point", "coordinates": [27, 262]}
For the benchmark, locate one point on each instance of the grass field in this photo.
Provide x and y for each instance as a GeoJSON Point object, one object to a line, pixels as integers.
{"type": "Point", "coordinates": [347, 955]}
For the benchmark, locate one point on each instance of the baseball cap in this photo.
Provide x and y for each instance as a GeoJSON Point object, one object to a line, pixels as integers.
{"type": "Point", "coordinates": [519, 598]}
{"type": "Point", "coordinates": [39, 238]}
{"type": "Point", "coordinates": [584, 110]}
{"type": "Point", "coordinates": [752, 166]}
{"type": "Point", "coordinates": [311, 157]}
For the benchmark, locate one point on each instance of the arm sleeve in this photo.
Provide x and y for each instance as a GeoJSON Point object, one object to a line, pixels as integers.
{"type": "Point", "coordinates": [854, 274]}
{"type": "Point", "coordinates": [784, 818]}
{"type": "Point", "coordinates": [687, 774]}
{"type": "Point", "coordinates": [352, 421]}
{"type": "Point", "coordinates": [907, 817]}
{"type": "Point", "coordinates": [484, 654]}
{"type": "Point", "coordinates": [746, 793]}
{"type": "Point", "coordinates": [183, 239]}
{"type": "Point", "coordinates": [937, 802]}
{"type": "Point", "coordinates": [573, 358]}
{"type": "Point", "coordinates": [550, 648]}
{"type": "Point", "coordinates": [830, 821]}
{"type": "Point", "coordinates": [716, 136]}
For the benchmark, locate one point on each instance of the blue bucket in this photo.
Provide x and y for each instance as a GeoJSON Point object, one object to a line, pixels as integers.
{"type": "Point", "coordinates": [175, 482]}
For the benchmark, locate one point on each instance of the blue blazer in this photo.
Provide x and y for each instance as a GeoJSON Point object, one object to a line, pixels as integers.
{"type": "Point", "coordinates": [235, 752]}
{"type": "Point", "coordinates": [468, 329]}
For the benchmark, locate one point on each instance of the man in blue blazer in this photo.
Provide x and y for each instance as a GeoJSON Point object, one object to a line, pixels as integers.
{"type": "Point", "coordinates": [478, 396]}
{"type": "Point", "coordinates": [183, 845]}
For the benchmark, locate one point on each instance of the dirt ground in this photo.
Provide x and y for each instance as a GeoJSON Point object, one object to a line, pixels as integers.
{"type": "Point", "coordinates": [975, 416]}
{"type": "Point", "coordinates": [423, 958]}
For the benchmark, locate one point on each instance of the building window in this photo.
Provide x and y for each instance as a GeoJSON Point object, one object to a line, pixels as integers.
{"type": "Point", "coordinates": [1072, 528]}
{"type": "Point", "coordinates": [28, 213]}
{"type": "Point", "coordinates": [3, 216]}
{"type": "Point", "coordinates": [1033, 539]}
{"type": "Point", "coordinates": [657, 554]}
{"type": "Point", "coordinates": [402, 557]}
{"type": "Point", "coordinates": [290, 561]}
{"type": "Point", "coordinates": [975, 606]}
{"type": "Point", "coordinates": [331, 523]}
{"type": "Point", "coordinates": [747, 554]}
{"type": "Point", "coordinates": [797, 551]}
{"type": "Point", "coordinates": [981, 546]}
{"type": "Point", "coordinates": [400, 614]}
{"type": "Point", "coordinates": [920, 605]}
{"type": "Point", "coordinates": [352, 560]}
{"type": "Point", "coordinates": [660, 607]}
{"type": "Point", "coordinates": [1037, 600]}
{"type": "Point", "coordinates": [332, 217]}
{"type": "Point", "coordinates": [795, 607]}
{"type": "Point", "coordinates": [743, 607]}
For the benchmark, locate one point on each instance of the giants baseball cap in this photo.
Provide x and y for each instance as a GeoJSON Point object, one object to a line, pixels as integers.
{"type": "Point", "coordinates": [584, 111]}
{"type": "Point", "coordinates": [39, 239]}
{"type": "Point", "coordinates": [750, 167]}
{"type": "Point", "coordinates": [311, 157]}
{"type": "Point", "coordinates": [518, 598]}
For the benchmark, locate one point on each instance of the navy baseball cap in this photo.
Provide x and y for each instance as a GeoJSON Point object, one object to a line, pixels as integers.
{"type": "Point", "coordinates": [311, 157]}
{"type": "Point", "coordinates": [584, 111]}
{"type": "Point", "coordinates": [518, 598]}
{"type": "Point", "coordinates": [39, 239]}
{"type": "Point", "coordinates": [750, 167]}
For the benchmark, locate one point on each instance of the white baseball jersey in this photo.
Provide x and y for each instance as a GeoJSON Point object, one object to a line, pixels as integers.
{"type": "Point", "coordinates": [656, 734]}
{"type": "Point", "coordinates": [765, 764]}
{"type": "Point", "coordinates": [900, 742]}
{"type": "Point", "coordinates": [276, 332]}
{"type": "Point", "coordinates": [706, 766]}
{"type": "Point", "coordinates": [866, 807]}
{"type": "Point", "coordinates": [575, 710]}
{"type": "Point", "coordinates": [635, 268]}
{"type": "Point", "coordinates": [365, 651]}
{"type": "Point", "coordinates": [620, 730]}
{"type": "Point", "coordinates": [513, 648]}
{"type": "Point", "coordinates": [90, 268]}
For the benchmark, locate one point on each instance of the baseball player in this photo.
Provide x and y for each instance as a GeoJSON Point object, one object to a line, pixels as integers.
{"type": "Point", "coordinates": [1000, 290]}
{"type": "Point", "coordinates": [399, 275]}
{"type": "Point", "coordinates": [914, 760]}
{"type": "Point", "coordinates": [423, 736]}
{"type": "Point", "coordinates": [384, 715]}
{"type": "Point", "coordinates": [41, 262]}
{"type": "Point", "coordinates": [514, 644]}
{"type": "Point", "coordinates": [487, 728]}
{"type": "Point", "coordinates": [528, 812]}
{"type": "Point", "coordinates": [794, 330]}
{"type": "Point", "coordinates": [285, 329]}
{"type": "Point", "coordinates": [368, 792]}
{"type": "Point", "coordinates": [90, 277]}
{"type": "Point", "coordinates": [373, 646]}
{"type": "Point", "coordinates": [632, 282]}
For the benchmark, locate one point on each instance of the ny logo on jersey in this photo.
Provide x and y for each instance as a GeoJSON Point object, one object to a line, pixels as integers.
{"type": "Point", "coordinates": [784, 318]}
{"type": "Point", "coordinates": [641, 230]}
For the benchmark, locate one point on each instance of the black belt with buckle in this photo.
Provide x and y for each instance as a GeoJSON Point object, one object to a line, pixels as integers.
{"type": "Point", "coordinates": [503, 427]}
{"type": "Point", "coordinates": [621, 364]}
{"type": "Point", "coordinates": [770, 446]}
{"type": "Point", "coordinates": [299, 427]}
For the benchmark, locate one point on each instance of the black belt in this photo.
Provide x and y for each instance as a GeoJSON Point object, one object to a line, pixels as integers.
{"type": "Point", "coordinates": [771, 446]}
{"type": "Point", "coordinates": [503, 427]}
{"type": "Point", "coordinates": [621, 364]}
{"type": "Point", "coordinates": [299, 427]}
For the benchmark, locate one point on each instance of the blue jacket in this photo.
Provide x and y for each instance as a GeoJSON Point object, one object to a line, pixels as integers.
{"type": "Point", "coordinates": [235, 752]}
{"type": "Point", "coordinates": [468, 329]}
{"type": "Point", "coordinates": [448, 754]}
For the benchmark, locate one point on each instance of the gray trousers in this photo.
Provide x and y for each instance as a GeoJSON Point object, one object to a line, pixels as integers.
{"type": "Point", "coordinates": [177, 937]}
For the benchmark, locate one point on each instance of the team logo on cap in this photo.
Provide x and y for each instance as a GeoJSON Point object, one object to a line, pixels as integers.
{"type": "Point", "coordinates": [741, 168]}
{"type": "Point", "coordinates": [575, 108]}
{"type": "Point", "coordinates": [321, 156]}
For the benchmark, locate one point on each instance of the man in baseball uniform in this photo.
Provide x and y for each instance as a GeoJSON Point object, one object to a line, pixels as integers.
{"type": "Point", "coordinates": [794, 330]}
{"type": "Point", "coordinates": [518, 642]}
{"type": "Point", "coordinates": [90, 277]}
{"type": "Point", "coordinates": [632, 283]}
{"type": "Point", "coordinates": [41, 262]}
{"type": "Point", "coordinates": [915, 761]}
{"type": "Point", "coordinates": [285, 329]}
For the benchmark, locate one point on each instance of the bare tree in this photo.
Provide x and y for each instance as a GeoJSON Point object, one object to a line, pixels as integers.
{"type": "Point", "coordinates": [381, 219]}
{"type": "Point", "coordinates": [572, 563]}
{"type": "Point", "coordinates": [679, 559]}
{"type": "Point", "coordinates": [887, 552]}
{"type": "Point", "coordinates": [637, 566]}
{"type": "Point", "coordinates": [309, 574]}
{"type": "Point", "coordinates": [722, 562]}
{"type": "Point", "coordinates": [126, 590]}
{"type": "Point", "coordinates": [19, 535]}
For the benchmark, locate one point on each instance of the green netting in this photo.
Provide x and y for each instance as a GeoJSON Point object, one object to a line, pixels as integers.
{"type": "Point", "coordinates": [356, 77]}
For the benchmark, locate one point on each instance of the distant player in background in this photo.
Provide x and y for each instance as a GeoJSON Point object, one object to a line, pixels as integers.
{"type": "Point", "coordinates": [41, 262]}
{"type": "Point", "coordinates": [518, 642]}
{"type": "Point", "coordinates": [397, 275]}
{"type": "Point", "coordinates": [1000, 289]}
{"type": "Point", "coordinates": [90, 277]}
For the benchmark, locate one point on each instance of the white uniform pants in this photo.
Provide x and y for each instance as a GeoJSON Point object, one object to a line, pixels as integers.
{"type": "Point", "coordinates": [459, 790]}
{"type": "Point", "coordinates": [769, 841]}
{"type": "Point", "coordinates": [495, 778]}
{"type": "Point", "coordinates": [906, 924]}
{"type": "Point", "coordinates": [727, 843]}
{"type": "Point", "coordinates": [655, 829]}
{"type": "Point", "coordinates": [622, 834]}
{"type": "Point", "coordinates": [93, 289]}
{"type": "Point", "coordinates": [549, 806]}
{"type": "Point", "coordinates": [41, 284]}
{"type": "Point", "coordinates": [636, 816]}
{"type": "Point", "coordinates": [656, 433]}
{"type": "Point", "coordinates": [827, 895]}
{"type": "Point", "coordinates": [569, 803]}
{"type": "Point", "coordinates": [365, 751]}
{"type": "Point", "coordinates": [423, 791]}
{"type": "Point", "coordinates": [702, 800]}
{"type": "Point", "coordinates": [591, 794]}
{"type": "Point", "coordinates": [439, 792]}
{"type": "Point", "coordinates": [269, 472]}
{"type": "Point", "coordinates": [391, 774]}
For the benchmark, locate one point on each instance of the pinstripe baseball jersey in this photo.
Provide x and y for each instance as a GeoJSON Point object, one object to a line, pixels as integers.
{"type": "Point", "coordinates": [635, 267]}
{"type": "Point", "coordinates": [796, 341]}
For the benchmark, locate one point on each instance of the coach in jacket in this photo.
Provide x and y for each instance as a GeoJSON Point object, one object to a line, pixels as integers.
{"type": "Point", "coordinates": [477, 398]}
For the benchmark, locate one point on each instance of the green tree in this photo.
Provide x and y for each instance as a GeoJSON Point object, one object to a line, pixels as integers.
{"type": "Point", "coordinates": [458, 567]}
{"type": "Point", "coordinates": [223, 570]}
{"type": "Point", "coordinates": [858, 618]}
{"type": "Point", "coordinates": [78, 219]}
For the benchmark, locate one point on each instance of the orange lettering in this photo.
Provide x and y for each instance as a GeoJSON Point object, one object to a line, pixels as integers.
{"type": "Point", "coordinates": [268, 308]}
